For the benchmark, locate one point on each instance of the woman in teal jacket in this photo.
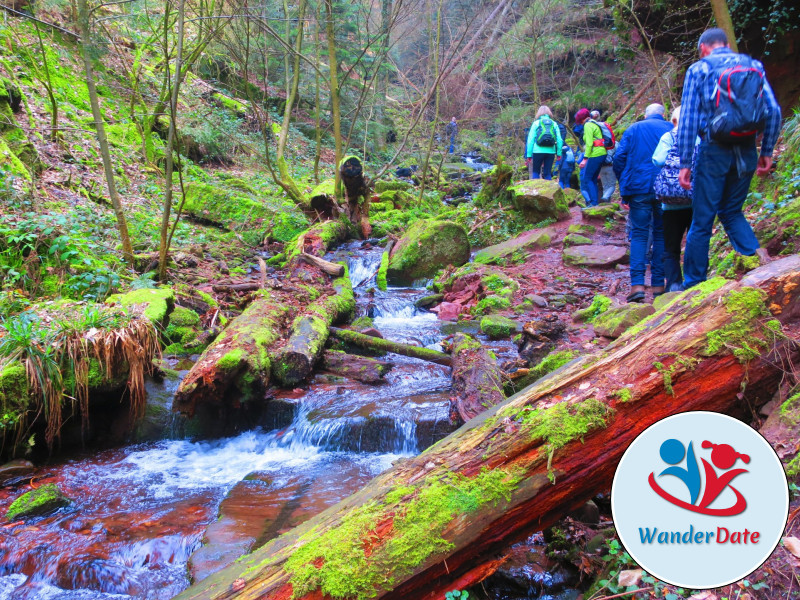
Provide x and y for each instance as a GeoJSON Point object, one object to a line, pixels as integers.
{"type": "Point", "coordinates": [544, 142]}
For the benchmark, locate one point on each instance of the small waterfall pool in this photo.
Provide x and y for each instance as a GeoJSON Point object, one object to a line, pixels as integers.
{"type": "Point", "coordinates": [140, 512]}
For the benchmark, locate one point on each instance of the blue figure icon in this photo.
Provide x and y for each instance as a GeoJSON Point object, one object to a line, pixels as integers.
{"type": "Point", "coordinates": [672, 452]}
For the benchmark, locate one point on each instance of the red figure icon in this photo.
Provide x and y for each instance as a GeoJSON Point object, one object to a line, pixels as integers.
{"type": "Point", "coordinates": [724, 457]}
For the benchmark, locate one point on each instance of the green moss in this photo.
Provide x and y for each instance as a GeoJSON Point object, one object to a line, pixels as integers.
{"type": "Point", "coordinates": [582, 229]}
{"type": "Point", "coordinates": [387, 185]}
{"type": "Point", "coordinates": [623, 394]}
{"type": "Point", "coordinates": [362, 323]}
{"type": "Point", "coordinates": [551, 362]}
{"type": "Point", "coordinates": [42, 500]}
{"type": "Point", "coordinates": [425, 248]}
{"type": "Point", "coordinates": [184, 317]}
{"type": "Point", "coordinates": [14, 397]}
{"type": "Point", "coordinates": [231, 360]}
{"type": "Point", "coordinates": [746, 306]}
{"type": "Point", "coordinates": [599, 305]}
{"type": "Point", "coordinates": [497, 327]}
{"type": "Point", "coordinates": [380, 280]}
{"type": "Point", "coordinates": [563, 423]}
{"type": "Point", "coordinates": [343, 563]}
{"type": "Point", "coordinates": [11, 165]}
{"type": "Point", "coordinates": [159, 303]}
{"type": "Point", "coordinates": [491, 304]}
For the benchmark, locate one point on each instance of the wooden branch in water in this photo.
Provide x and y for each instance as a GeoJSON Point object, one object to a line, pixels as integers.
{"type": "Point", "coordinates": [432, 523]}
{"type": "Point", "coordinates": [352, 366]}
{"type": "Point", "coordinates": [332, 269]}
{"type": "Point", "coordinates": [236, 287]}
{"type": "Point", "coordinates": [376, 343]}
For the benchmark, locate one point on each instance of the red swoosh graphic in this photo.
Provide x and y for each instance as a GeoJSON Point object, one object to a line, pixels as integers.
{"type": "Point", "coordinates": [739, 507]}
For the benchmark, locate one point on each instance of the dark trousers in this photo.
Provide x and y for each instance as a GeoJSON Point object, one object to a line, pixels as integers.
{"type": "Point", "coordinates": [646, 210]}
{"type": "Point", "coordinates": [676, 224]}
{"type": "Point", "coordinates": [720, 188]}
{"type": "Point", "coordinates": [589, 177]}
{"type": "Point", "coordinates": [541, 161]}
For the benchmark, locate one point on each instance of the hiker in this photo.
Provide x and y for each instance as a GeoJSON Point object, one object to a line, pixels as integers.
{"type": "Point", "coordinates": [634, 168]}
{"type": "Point", "coordinates": [676, 203]}
{"type": "Point", "coordinates": [594, 155]}
{"type": "Point", "coordinates": [544, 141]}
{"type": "Point", "coordinates": [451, 130]}
{"type": "Point", "coordinates": [719, 90]}
{"type": "Point", "coordinates": [566, 166]}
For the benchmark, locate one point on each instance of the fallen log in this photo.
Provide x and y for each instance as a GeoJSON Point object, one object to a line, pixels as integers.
{"type": "Point", "coordinates": [477, 380]}
{"type": "Point", "coordinates": [237, 362]}
{"type": "Point", "coordinates": [316, 240]}
{"type": "Point", "coordinates": [235, 287]}
{"type": "Point", "coordinates": [428, 524]}
{"type": "Point", "coordinates": [332, 269]}
{"type": "Point", "coordinates": [356, 192]}
{"type": "Point", "coordinates": [358, 368]}
{"type": "Point", "coordinates": [296, 360]}
{"type": "Point", "coordinates": [375, 343]}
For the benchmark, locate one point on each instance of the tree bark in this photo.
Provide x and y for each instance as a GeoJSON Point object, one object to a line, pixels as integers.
{"type": "Point", "coordinates": [332, 269]}
{"type": "Point", "coordinates": [100, 129]}
{"type": "Point", "coordinates": [310, 332]}
{"type": "Point", "coordinates": [352, 366]}
{"type": "Point", "coordinates": [237, 365]}
{"type": "Point", "coordinates": [428, 524]}
{"type": "Point", "coordinates": [376, 343]}
{"type": "Point", "coordinates": [723, 18]}
{"type": "Point", "coordinates": [477, 380]}
{"type": "Point", "coordinates": [355, 185]}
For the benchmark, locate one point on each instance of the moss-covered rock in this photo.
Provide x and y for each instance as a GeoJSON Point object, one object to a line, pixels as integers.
{"type": "Point", "coordinates": [395, 198]}
{"type": "Point", "coordinates": [550, 363]}
{"type": "Point", "coordinates": [158, 303]}
{"type": "Point", "coordinates": [535, 238]}
{"type": "Point", "coordinates": [491, 303]}
{"type": "Point", "coordinates": [613, 322]}
{"type": "Point", "coordinates": [13, 396]}
{"type": "Point", "coordinates": [575, 239]}
{"type": "Point", "coordinates": [600, 212]}
{"type": "Point", "coordinates": [574, 197]}
{"type": "Point", "coordinates": [540, 199]}
{"type": "Point", "coordinates": [425, 248]}
{"type": "Point", "coordinates": [495, 184]}
{"type": "Point", "coordinates": [42, 500]}
{"type": "Point", "coordinates": [498, 327]}
{"type": "Point", "coordinates": [236, 208]}
{"type": "Point", "coordinates": [384, 185]}
{"type": "Point", "coordinates": [599, 305]}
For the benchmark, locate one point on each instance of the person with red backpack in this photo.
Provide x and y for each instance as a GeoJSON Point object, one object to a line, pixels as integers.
{"type": "Point", "coordinates": [597, 141]}
{"type": "Point", "coordinates": [728, 102]}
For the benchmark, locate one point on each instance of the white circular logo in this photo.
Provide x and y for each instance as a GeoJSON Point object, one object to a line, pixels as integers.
{"type": "Point", "coordinates": [700, 500]}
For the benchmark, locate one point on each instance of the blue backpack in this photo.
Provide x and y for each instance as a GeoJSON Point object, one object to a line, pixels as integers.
{"type": "Point", "coordinates": [740, 110]}
{"type": "Point", "coordinates": [667, 186]}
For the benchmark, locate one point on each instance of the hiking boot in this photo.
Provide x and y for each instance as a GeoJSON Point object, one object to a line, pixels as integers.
{"type": "Point", "coordinates": [636, 295]}
{"type": "Point", "coordinates": [763, 256]}
{"type": "Point", "coordinates": [657, 291]}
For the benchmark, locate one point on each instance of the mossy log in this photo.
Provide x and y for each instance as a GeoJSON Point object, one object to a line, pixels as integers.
{"type": "Point", "coordinates": [434, 522]}
{"type": "Point", "coordinates": [477, 380]}
{"type": "Point", "coordinates": [237, 365]}
{"type": "Point", "coordinates": [332, 269]}
{"type": "Point", "coordinates": [358, 368]}
{"type": "Point", "coordinates": [375, 343]}
{"type": "Point", "coordinates": [296, 360]}
{"type": "Point", "coordinates": [316, 240]}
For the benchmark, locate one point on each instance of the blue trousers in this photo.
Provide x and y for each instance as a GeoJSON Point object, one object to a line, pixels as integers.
{"type": "Point", "coordinates": [644, 210]}
{"type": "Point", "coordinates": [589, 179]}
{"type": "Point", "coordinates": [720, 189]}
{"type": "Point", "coordinates": [564, 174]}
{"type": "Point", "coordinates": [542, 165]}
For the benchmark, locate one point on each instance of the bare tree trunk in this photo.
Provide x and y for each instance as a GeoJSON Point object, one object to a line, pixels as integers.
{"type": "Point", "coordinates": [333, 66]}
{"type": "Point", "coordinates": [99, 123]}
{"type": "Point", "coordinates": [723, 18]}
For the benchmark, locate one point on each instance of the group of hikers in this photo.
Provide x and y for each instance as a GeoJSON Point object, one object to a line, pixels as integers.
{"type": "Point", "coordinates": [676, 177]}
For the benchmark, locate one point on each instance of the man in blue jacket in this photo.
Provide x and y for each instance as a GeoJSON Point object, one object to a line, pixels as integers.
{"type": "Point", "coordinates": [634, 168]}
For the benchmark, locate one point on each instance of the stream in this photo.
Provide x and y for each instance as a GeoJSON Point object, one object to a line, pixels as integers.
{"type": "Point", "coordinates": [139, 512]}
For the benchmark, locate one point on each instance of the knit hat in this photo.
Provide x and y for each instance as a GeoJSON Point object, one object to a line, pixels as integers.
{"type": "Point", "coordinates": [581, 115]}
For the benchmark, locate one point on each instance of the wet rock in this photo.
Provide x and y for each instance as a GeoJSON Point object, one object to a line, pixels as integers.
{"type": "Point", "coordinates": [15, 472]}
{"type": "Point", "coordinates": [371, 331]}
{"type": "Point", "coordinates": [595, 255]}
{"type": "Point", "coordinates": [41, 501]}
{"type": "Point", "coordinates": [222, 267]}
{"type": "Point", "coordinates": [582, 229]}
{"type": "Point", "coordinates": [427, 301]}
{"type": "Point", "coordinates": [498, 327]}
{"type": "Point", "coordinates": [539, 338]}
{"type": "Point", "coordinates": [600, 212]}
{"type": "Point", "coordinates": [575, 239]}
{"type": "Point", "coordinates": [159, 422]}
{"type": "Point", "coordinates": [574, 197]}
{"type": "Point", "coordinates": [426, 247]}
{"type": "Point", "coordinates": [588, 513]}
{"type": "Point", "coordinates": [540, 199]}
{"type": "Point", "coordinates": [615, 321]}
{"type": "Point", "coordinates": [448, 311]}
{"type": "Point", "coordinates": [497, 254]}
{"type": "Point", "coordinates": [537, 300]}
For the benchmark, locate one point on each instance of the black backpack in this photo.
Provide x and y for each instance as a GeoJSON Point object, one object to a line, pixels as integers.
{"type": "Point", "coordinates": [740, 110]}
{"type": "Point", "coordinates": [666, 185]}
{"type": "Point", "coordinates": [545, 138]}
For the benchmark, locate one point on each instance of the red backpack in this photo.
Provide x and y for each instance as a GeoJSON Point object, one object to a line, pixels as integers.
{"type": "Point", "coordinates": [608, 141]}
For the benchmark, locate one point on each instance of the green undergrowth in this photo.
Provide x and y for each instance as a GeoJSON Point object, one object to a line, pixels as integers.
{"type": "Point", "coordinates": [351, 561]}
{"type": "Point", "coordinates": [747, 308]}
{"type": "Point", "coordinates": [551, 362]}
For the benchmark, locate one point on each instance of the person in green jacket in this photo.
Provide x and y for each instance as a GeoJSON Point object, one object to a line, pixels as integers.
{"type": "Point", "coordinates": [544, 142]}
{"type": "Point", "coordinates": [594, 155]}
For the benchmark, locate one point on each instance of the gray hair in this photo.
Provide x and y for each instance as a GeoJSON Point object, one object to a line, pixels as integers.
{"type": "Point", "coordinates": [654, 109]}
{"type": "Point", "coordinates": [595, 114]}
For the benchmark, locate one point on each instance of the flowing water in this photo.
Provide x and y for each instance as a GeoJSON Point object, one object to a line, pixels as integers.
{"type": "Point", "coordinates": [139, 512]}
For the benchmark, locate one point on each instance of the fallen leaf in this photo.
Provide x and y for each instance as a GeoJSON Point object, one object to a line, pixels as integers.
{"type": "Point", "coordinates": [792, 544]}
{"type": "Point", "coordinates": [704, 595]}
{"type": "Point", "coordinates": [238, 585]}
{"type": "Point", "coordinates": [630, 577]}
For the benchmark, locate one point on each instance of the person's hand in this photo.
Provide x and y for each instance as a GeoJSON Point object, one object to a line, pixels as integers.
{"type": "Point", "coordinates": [582, 164]}
{"type": "Point", "coordinates": [528, 161]}
{"type": "Point", "coordinates": [685, 179]}
{"type": "Point", "coordinates": [764, 165]}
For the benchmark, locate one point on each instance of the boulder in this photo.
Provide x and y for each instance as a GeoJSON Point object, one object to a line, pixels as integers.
{"type": "Point", "coordinates": [535, 238]}
{"type": "Point", "coordinates": [540, 199]}
{"type": "Point", "coordinates": [600, 212]}
{"type": "Point", "coordinates": [158, 303]}
{"type": "Point", "coordinates": [575, 239]}
{"type": "Point", "coordinates": [498, 327]}
{"type": "Point", "coordinates": [574, 197]}
{"type": "Point", "coordinates": [615, 321]}
{"type": "Point", "coordinates": [15, 472]}
{"type": "Point", "coordinates": [494, 185]}
{"type": "Point", "coordinates": [41, 501]}
{"type": "Point", "coordinates": [426, 247]}
{"type": "Point", "coordinates": [595, 255]}
{"type": "Point", "coordinates": [582, 228]}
